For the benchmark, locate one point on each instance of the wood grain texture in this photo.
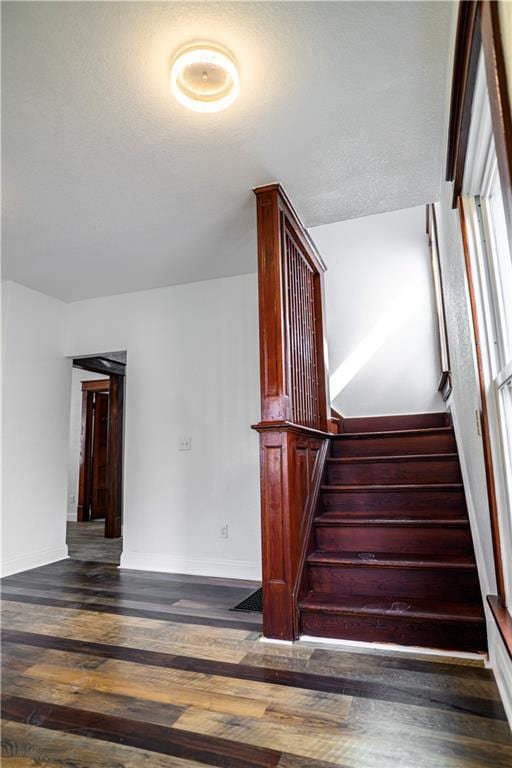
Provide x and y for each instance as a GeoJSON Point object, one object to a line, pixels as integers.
{"type": "Point", "coordinates": [115, 447]}
{"type": "Point", "coordinates": [210, 750]}
{"type": "Point", "coordinates": [392, 558]}
{"type": "Point", "coordinates": [293, 386]}
{"type": "Point", "coordinates": [99, 473]}
{"type": "Point", "coordinates": [503, 621]}
{"type": "Point", "coordinates": [291, 461]}
{"type": "Point", "coordinates": [120, 610]}
{"type": "Point", "coordinates": [85, 468]}
{"type": "Point", "coordinates": [100, 487]}
{"type": "Point", "coordinates": [138, 691]}
{"type": "Point", "coordinates": [336, 691]}
{"type": "Point", "coordinates": [444, 385]}
{"type": "Point", "coordinates": [86, 541]}
{"type": "Point", "coordinates": [96, 385]}
{"type": "Point", "coordinates": [467, 50]}
{"type": "Point", "coordinates": [27, 746]}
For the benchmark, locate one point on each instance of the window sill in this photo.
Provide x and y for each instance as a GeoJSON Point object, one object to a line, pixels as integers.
{"type": "Point", "coordinates": [503, 620]}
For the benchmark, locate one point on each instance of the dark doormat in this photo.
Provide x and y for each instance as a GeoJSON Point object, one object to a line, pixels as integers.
{"type": "Point", "coordinates": [252, 603]}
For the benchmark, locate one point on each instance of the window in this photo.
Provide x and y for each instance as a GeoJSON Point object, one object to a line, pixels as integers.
{"type": "Point", "coordinates": [491, 258]}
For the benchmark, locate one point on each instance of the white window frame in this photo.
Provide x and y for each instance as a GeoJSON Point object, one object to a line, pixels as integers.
{"type": "Point", "coordinates": [480, 176]}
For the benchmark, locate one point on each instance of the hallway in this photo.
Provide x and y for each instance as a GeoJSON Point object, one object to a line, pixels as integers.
{"type": "Point", "coordinates": [110, 667]}
{"type": "Point", "coordinates": [86, 541]}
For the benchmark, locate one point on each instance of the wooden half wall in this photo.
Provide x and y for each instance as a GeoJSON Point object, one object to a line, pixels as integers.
{"type": "Point", "coordinates": [294, 402]}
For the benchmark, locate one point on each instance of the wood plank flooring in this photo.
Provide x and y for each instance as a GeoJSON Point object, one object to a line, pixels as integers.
{"type": "Point", "coordinates": [86, 541]}
{"type": "Point", "coordinates": [104, 668]}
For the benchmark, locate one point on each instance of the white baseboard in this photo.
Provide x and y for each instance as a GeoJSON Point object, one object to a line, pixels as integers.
{"type": "Point", "coordinates": [12, 565]}
{"type": "Point", "coordinates": [393, 647]}
{"type": "Point", "coordinates": [191, 566]}
{"type": "Point", "coordinates": [502, 667]}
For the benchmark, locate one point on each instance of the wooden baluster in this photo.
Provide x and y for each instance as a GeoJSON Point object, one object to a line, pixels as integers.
{"type": "Point", "coordinates": [291, 371]}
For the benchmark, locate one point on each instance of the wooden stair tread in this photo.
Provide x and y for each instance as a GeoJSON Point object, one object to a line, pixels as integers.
{"type": "Point", "coordinates": [344, 519]}
{"type": "Point", "coordinates": [434, 610]}
{"type": "Point", "coordinates": [392, 457]}
{"type": "Point", "coordinates": [393, 433]}
{"type": "Point", "coordinates": [374, 514]}
{"type": "Point", "coordinates": [390, 560]}
{"type": "Point", "coordinates": [391, 556]}
{"type": "Point", "coordinates": [402, 487]}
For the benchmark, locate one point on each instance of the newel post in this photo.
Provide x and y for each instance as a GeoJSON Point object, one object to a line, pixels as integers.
{"type": "Point", "coordinates": [294, 395]}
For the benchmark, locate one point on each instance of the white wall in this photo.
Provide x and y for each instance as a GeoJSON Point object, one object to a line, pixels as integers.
{"type": "Point", "coordinates": [35, 404]}
{"type": "Point", "coordinates": [75, 426]}
{"type": "Point", "coordinates": [381, 327]}
{"type": "Point", "coordinates": [192, 370]}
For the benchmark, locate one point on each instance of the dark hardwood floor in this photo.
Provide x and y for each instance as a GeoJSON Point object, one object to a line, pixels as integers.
{"type": "Point", "coordinates": [86, 541]}
{"type": "Point", "coordinates": [104, 668]}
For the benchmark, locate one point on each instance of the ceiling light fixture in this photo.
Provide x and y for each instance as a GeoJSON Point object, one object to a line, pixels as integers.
{"type": "Point", "coordinates": [204, 78]}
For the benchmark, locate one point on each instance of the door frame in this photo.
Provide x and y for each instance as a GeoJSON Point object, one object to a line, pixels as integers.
{"type": "Point", "coordinates": [89, 388]}
{"type": "Point", "coordinates": [116, 373]}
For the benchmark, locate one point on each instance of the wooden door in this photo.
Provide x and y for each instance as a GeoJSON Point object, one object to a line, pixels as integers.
{"type": "Point", "coordinates": [99, 458]}
{"type": "Point", "coordinates": [100, 491]}
{"type": "Point", "coordinates": [94, 474]}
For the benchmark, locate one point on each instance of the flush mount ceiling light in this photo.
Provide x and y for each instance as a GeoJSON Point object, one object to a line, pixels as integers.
{"type": "Point", "coordinates": [204, 78]}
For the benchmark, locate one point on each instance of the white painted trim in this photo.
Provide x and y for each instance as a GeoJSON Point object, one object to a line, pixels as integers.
{"type": "Point", "coordinates": [405, 649]}
{"type": "Point", "coordinates": [274, 641]}
{"type": "Point", "coordinates": [486, 577]}
{"type": "Point", "coordinates": [191, 566]}
{"type": "Point", "coordinates": [33, 560]}
{"type": "Point", "coordinates": [501, 665]}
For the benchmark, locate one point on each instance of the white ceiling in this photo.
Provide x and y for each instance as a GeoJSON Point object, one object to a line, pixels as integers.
{"type": "Point", "coordinates": [111, 186]}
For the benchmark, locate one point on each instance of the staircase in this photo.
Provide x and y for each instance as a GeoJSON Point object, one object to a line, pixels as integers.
{"type": "Point", "coordinates": [393, 557]}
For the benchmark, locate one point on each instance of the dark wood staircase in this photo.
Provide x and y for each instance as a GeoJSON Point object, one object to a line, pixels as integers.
{"type": "Point", "coordinates": [392, 558]}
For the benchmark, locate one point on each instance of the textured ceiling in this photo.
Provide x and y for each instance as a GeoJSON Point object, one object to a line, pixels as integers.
{"type": "Point", "coordinates": [109, 185]}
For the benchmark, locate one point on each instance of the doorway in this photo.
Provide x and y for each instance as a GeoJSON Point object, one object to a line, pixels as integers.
{"type": "Point", "coordinates": [92, 485]}
{"type": "Point", "coordinates": [95, 504]}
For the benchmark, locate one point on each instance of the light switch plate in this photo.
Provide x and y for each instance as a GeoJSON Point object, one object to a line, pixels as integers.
{"type": "Point", "coordinates": [184, 444]}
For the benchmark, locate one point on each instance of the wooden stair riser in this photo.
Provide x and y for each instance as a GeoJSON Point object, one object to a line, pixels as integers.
{"type": "Point", "coordinates": [431, 470]}
{"type": "Point", "coordinates": [412, 503]}
{"type": "Point", "coordinates": [394, 445]}
{"type": "Point", "coordinates": [393, 558]}
{"type": "Point", "coordinates": [406, 539]}
{"type": "Point", "coordinates": [408, 421]}
{"type": "Point", "coordinates": [444, 635]}
{"type": "Point", "coordinates": [396, 582]}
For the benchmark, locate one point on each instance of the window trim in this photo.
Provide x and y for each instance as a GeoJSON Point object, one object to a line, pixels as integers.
{"type": "Point", "coordinates": [485, 277]}
{"type": "Point", "coordinates": [478, 26]}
